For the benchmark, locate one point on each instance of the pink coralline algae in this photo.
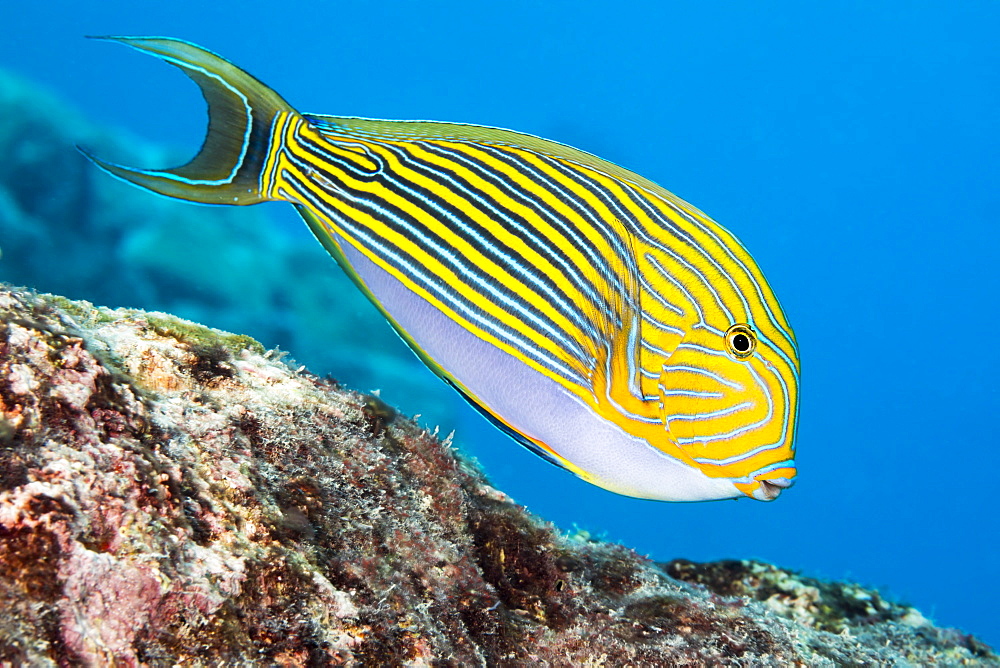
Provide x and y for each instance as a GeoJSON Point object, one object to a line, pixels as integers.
{"type": "Point", "coordinates": [172, 494]}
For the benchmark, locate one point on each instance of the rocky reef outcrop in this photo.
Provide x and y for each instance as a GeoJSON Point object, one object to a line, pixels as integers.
{"type": "Point", "coordinates": [172, 494]}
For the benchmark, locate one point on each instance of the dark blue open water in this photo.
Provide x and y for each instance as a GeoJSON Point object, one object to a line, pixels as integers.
{"type": "Point", "coordinates": [853, 148]}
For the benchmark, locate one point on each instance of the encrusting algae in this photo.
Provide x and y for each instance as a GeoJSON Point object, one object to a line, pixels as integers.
{"type": "Point", "coordinates": [172, 493]}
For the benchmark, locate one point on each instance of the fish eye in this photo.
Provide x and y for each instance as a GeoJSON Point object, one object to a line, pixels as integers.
{"type": "Point", "coordinates": [741, 341]}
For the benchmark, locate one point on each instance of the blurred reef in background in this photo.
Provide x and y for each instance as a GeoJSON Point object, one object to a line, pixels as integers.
{"type": "Point", "coordinates": [175, 495]}
{"type": "Point", "coordinates": [69, 229]}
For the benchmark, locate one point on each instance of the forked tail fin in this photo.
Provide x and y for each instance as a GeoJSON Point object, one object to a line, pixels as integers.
{"type": "Point", "coordinates": [241, 113]}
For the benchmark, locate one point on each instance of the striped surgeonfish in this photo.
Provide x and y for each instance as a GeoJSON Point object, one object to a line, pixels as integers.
{"type": "Point", "coordinates": [604, 323]}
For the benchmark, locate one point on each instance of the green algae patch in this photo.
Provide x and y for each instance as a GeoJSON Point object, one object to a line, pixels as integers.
{"type": "Point", "coordinates": [201, 337]}
{"type": "Point", "coordinates": [82, 310]}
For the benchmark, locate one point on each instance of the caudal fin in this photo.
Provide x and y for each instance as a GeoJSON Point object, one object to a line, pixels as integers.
{"type": "Point", "coordinates": [241, 113]}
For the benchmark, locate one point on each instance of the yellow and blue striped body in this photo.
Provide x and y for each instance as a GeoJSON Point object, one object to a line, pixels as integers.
{"type": "Point", "coordinates": [600, 320]}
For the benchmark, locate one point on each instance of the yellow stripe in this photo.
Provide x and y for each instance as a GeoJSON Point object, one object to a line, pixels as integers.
{"type": "Point", "coordinates": [398, 241]}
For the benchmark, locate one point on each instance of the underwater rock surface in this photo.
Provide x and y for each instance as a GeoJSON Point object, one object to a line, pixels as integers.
{"type": "Point", "coordinates": [172, 494]}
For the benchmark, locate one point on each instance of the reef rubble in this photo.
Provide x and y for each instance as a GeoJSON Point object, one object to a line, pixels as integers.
{"type": "Point", "coordinates": [172, 494]}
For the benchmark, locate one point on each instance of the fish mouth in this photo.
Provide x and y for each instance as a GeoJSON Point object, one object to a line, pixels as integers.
{"type": "Point", "coordinates": [770, 489]}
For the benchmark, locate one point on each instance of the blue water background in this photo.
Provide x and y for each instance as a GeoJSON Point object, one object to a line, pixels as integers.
{"type": "Point", "coordinates": [851, 146]}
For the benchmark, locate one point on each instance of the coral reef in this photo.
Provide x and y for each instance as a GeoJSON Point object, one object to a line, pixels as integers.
{"type": "Point", "coordinates": [172, 494]}
{"type": "Point", "coordinates": [232, 268]}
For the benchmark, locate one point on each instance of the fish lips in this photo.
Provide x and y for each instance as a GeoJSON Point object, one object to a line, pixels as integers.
{"type": "Point", "coordinates": [770, 489]}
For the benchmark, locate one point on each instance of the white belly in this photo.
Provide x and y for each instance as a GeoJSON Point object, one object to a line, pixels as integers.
{"type": "Point", "coordinates": [535, 405]}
